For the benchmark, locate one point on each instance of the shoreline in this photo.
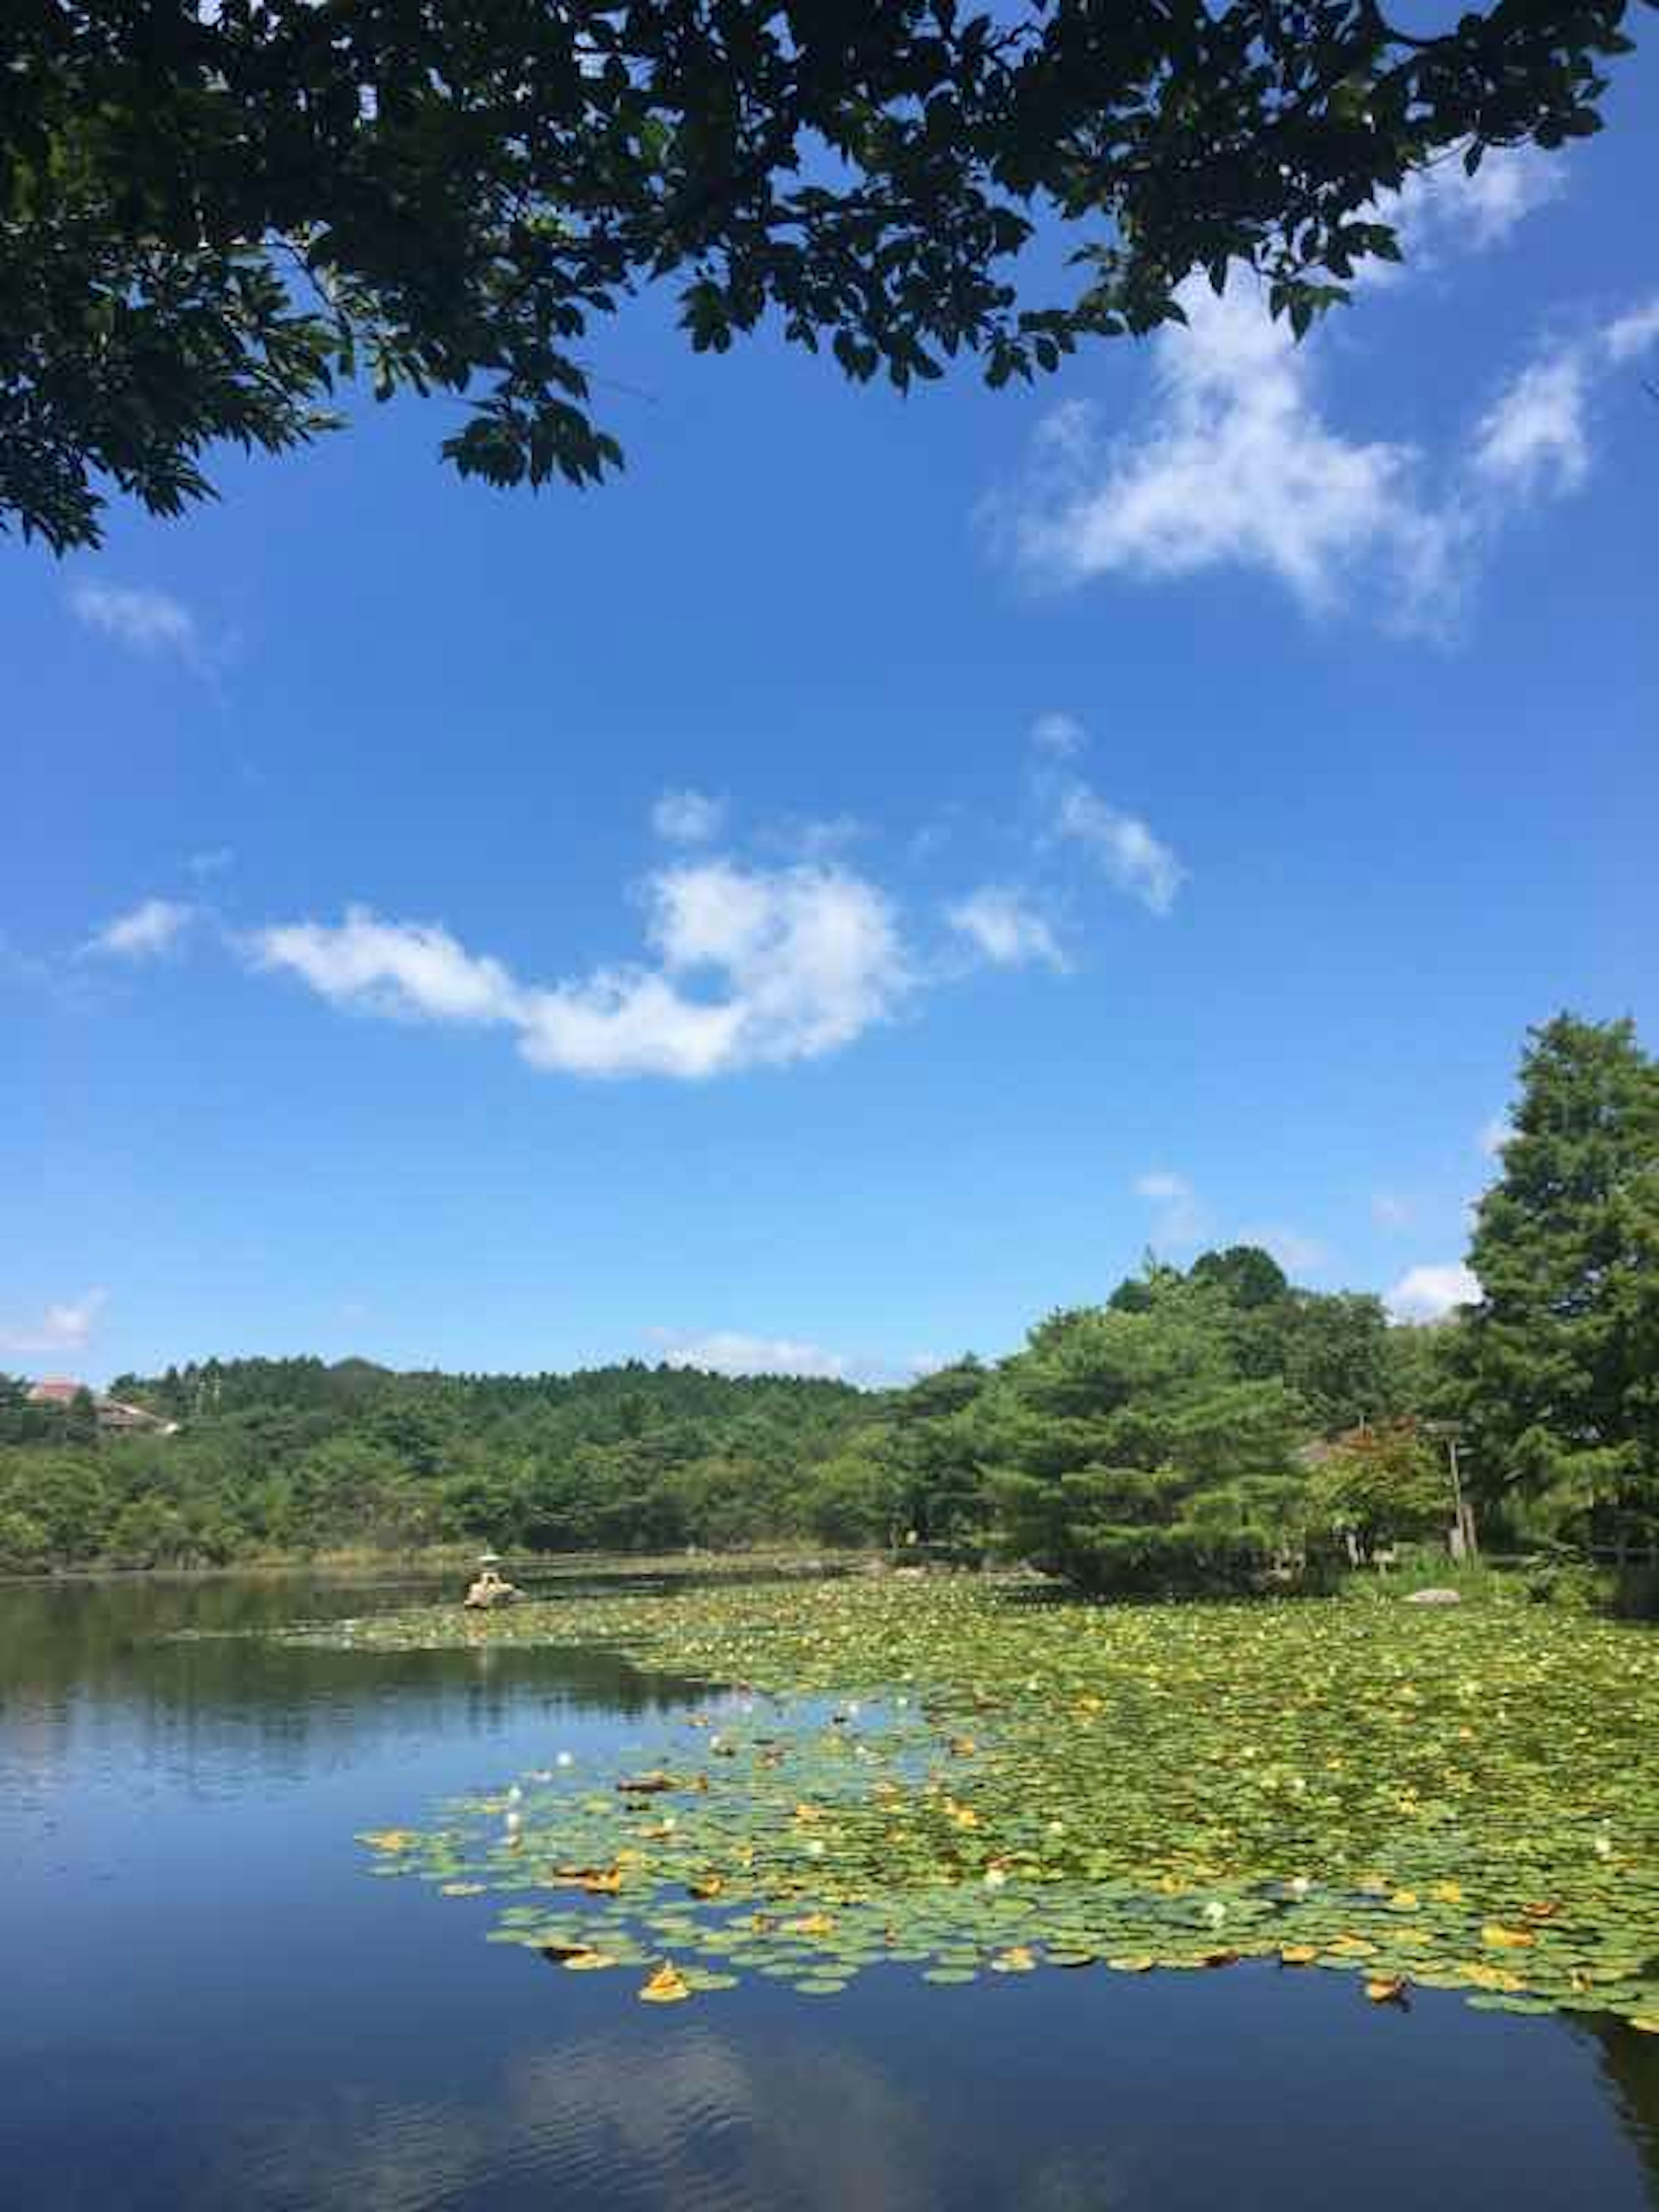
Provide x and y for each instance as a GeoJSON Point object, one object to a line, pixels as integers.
{"type": "Point", "coordinates": [353, 1566]}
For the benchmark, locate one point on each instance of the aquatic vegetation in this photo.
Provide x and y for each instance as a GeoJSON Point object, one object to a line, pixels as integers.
{"type": "Point", "coordinates": [963, 1781]}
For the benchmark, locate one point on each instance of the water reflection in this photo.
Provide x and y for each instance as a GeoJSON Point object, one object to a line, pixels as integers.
{"type": "Point", "coordinates": [1630, 2063]}
{"type": "Point", "coordinates": [711, 2124]}
{"type": "Point", "coordinates": [169, 1680]}
{"type": "Point", "coordinates": [208, 2004]}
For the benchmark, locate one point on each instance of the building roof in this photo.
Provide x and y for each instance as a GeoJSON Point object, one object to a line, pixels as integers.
{"type": "Point", "coordinates": [113, 1413]}
{"type": "Point", "coordinates": [54, 1390]}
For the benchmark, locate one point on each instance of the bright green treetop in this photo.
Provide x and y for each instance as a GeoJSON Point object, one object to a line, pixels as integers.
{"type": "Point", "coordinates": [1130, 1449]}
{"type": "Point", "coordinates": [1559, 1362]}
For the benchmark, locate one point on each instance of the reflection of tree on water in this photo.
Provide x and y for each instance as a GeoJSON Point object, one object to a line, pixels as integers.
{"type": "Point", "coordinates": [182, 1666]}
{"type": "Point", "coordinates": [610, 2121]}
{"type": "Point", "coordinates": [197, 1639]}
{"type": "Point", "coordinates": [1629, 2065]}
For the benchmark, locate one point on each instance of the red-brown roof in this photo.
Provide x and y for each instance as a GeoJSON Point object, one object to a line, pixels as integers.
{"type": "Point", "coordinates": [54, 1390]}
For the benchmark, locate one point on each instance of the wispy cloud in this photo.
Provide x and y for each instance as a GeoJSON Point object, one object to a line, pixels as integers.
{"type": "Point", "coordinates": [1432, 1290]}
{"type": "Point", "coordinates": [751, 968]}
{"type": "Point", "coordinates": [746, 964]}
{"type": "Point", "coordinates": [813, 836]}
{"type": "Point", "coordinates": [1442, 210]}
{"type": "Point", "coordinates": [1181, 1221]}
{"type": "Point", "coordinates": [1298, 1254]}
{"type": "Point", "coordinates": [1005, 926]}
{"type": "Point", "coordinates": [137, 617]}
{"type": "Point", "coordinates": [1237, 466]}
{"type": "Point", "coordinates": [1628, 336]}
{"type": "Point", "coordinates": [64, 1328]}
{"type": "Point", "coordinates": [398, 971]}
{"type": "Point", "coordinates": [1238, 463]}
{"type": "Point", "coordinates": [688, 817]}
{"type": "Point", "coordinates": [1125, 850]}
{"type": "Point", "coordinates": [151, 929]}
{"type": "Point", "coordinates": [1061, 735]}
{"type": "Point", "coordinates": [1391, 1210]}
{"type": "Point", "coordinates": [1534, 437]}
{"type": "Point", "coordinates": [213, 862]}
{"type": "Point", "coordinates": [732, 1351]}
{"type": "Point", "coordinates": [1071, 812]}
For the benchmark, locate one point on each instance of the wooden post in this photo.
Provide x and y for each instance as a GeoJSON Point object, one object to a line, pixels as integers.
{"type": "Point", "coordinates": [1470, 1546]}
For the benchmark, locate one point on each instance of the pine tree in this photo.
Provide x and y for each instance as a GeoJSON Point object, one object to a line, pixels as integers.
{"type": "Point", "coordinates": [1128, 1449]}
{"type": "Point", "coordinates": [1559, 1362]}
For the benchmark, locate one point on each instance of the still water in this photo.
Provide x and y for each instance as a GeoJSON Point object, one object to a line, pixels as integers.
{"type": "Point", "coordinates": [205, 2002]}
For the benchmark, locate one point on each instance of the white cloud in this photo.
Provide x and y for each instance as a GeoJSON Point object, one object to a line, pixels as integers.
{"type": "Point", "coordinates": [1389, 1209]}
{"type": "Point", "coordinates": [1062, 735]}
{"type": "Point", "coordinates": [148, 621]}
{"type": "Point", "coordinates": [732, 1351]}
{"type": "Point", "coordinates": [1122, 845]}
{"type": "Point", "coordinates": [1493, 1134]}
{"type": "Point", "coordinates": [688, 817]}
{"type": "Point", "coordinates": [65, 1327]}
{"type": "Point", "coordinates": [1628, 336]}
{"type": "Point", "coordinates": [150, 930]}
{"type": "Point", "coordinates": [1181, 1221]}
{"type": "Point", "coordinates": [1236, 463]}
{"type": "Point", "coordinates": [812, 836]}
{"type": "Point", "coordinates": [1441, 206]}
{"type": "Point", "coordinates": [1534, 437]}
{"type": "Point", "coordinates": [1237, 466]}
{"type": "Point", "coordinates": [1431, 1292]}
{"type": "Point", "coordinates": [801, 961]}
{"type": "Point", "coordinates": [1005, 928]}
{"type": "Point", "coordinates": [403, 970]}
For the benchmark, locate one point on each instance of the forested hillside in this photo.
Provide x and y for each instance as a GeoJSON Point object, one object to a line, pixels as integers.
{"type": "Point", "coordinates": [1197, 1428]}
{"type": "Point", "coordinates": [296, 1456]}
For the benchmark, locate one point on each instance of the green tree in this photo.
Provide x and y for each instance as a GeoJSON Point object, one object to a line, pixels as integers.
{"type": "Point", "coordinates": [1336, 1357]}
{"type": "Point", "coordinates": [1557, 1364]}
{"type": "Point", "coordinates": [78, 1422]}
{"type": "Point", "coordinates": [1128, 1449]}
{"type": "Point", "coordinates": [1249, 1276]}
{"type": "Point", "coordinates": [211, 216]}
{"type": "Point", "coordinates": [25, 1547]}
{"type": "Point", "coordinates": [856, 1495]}
{"type": "Point", "coordinates": [930, 1455]}
{"type": "Point", "coordinates": [1381, 1485]}
{"type": "Point", "coordinates": [149, 1532]}
{"type": "Point", "coordinates": [1417, 1360]}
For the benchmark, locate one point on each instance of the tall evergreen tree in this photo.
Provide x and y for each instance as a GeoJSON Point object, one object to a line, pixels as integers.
{"type": "Point", "coordinates": [1129, 1449]}
{"type": "Point", "coordinates": [1558, 1365]}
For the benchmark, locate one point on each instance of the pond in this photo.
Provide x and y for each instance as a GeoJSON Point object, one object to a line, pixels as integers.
{"type": "Point", "coordinates": [207, 2003]}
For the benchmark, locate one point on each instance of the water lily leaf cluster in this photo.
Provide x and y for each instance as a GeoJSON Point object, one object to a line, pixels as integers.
{"type": "Point", "coordinates": [961, 1781]}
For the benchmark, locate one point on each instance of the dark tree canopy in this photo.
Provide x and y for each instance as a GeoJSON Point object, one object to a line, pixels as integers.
{"type": "Point", "coordinates": [212, 217]}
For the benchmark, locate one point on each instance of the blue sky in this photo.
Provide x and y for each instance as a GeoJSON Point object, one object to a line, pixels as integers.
{"type": "Point", "coordinates": [854, 884]}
